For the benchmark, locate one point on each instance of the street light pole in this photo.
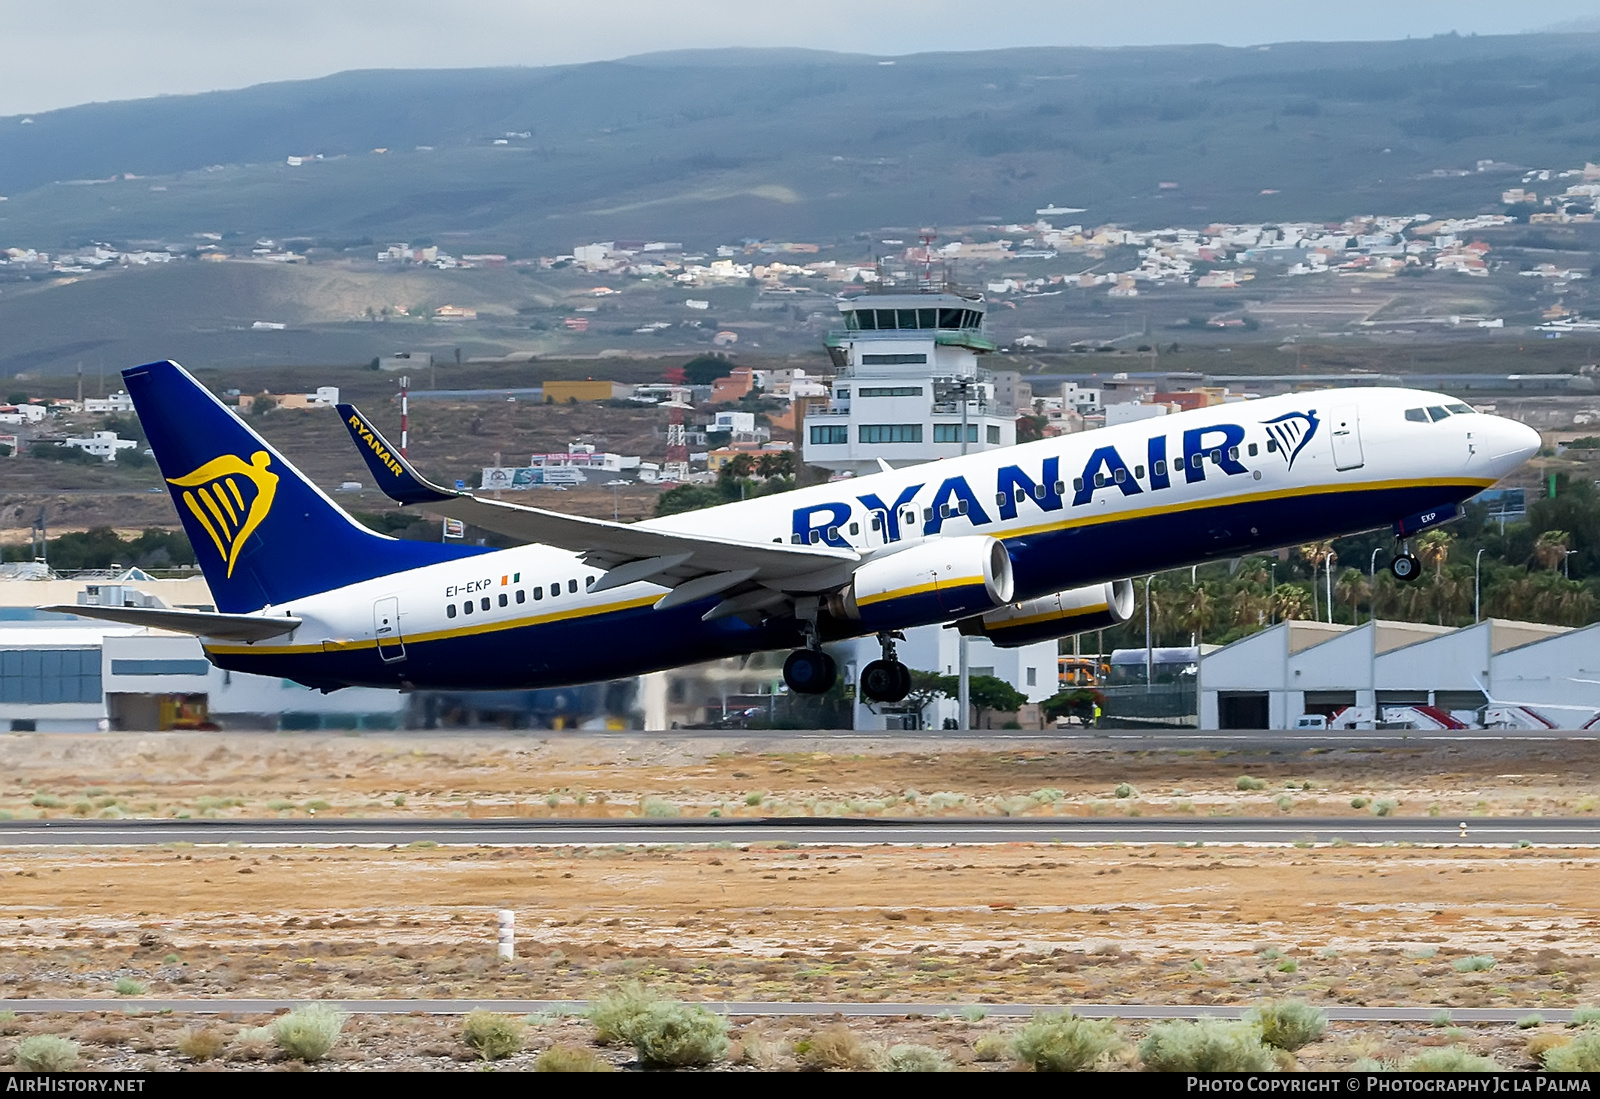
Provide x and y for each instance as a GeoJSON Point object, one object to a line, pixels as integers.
{"type": "Point", "coordinates": [1149, 653]}
{"type": "Point", "coordinates": [1327, 572]}
{"type": "Point", "coordinates": [1477, 600]}
{"type": "Point", "coordinates": [1272, 592]}
{"type": "Point", "coordinates": [1372, 584]}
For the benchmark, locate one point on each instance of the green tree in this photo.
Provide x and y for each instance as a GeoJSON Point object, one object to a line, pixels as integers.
{"type": "Point", "coordinates": [992, 694]}
{"type": "Point", "coordinates": [705, 369]}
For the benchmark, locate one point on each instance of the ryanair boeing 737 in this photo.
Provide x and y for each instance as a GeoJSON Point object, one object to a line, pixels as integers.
{"type": "Point", "coordinates": [1022, 544]}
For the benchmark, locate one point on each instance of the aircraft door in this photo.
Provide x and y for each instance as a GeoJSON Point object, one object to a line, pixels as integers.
{"type": "Point", "coordinates": [386, 628]}
{"type": "Point", "coordinates": [1345, 424]}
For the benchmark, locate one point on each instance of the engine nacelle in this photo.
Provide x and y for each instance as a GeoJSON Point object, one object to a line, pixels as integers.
{"type": "Point", "coordinates": [931, 582]}
{"type": "Point", "coordinates": [1076, 610]}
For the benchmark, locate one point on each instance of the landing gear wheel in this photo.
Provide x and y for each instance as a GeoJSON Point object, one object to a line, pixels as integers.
{"type": "Point", "coordinates": [1405, 568]}
{"type": "Point", "coordinates": [885, 681]}
{"type": "Point", "coordinates": [809, 671]}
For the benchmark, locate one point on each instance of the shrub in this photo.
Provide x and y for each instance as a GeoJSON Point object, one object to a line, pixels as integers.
{"type": "Point", "coordinates": [1528, 1022]}
{"type": "Point", "coordinates": [835, 1047]}
{"type": "Point", "coordinates": [993, 1046]}
{"type": "Point", "coordinates": [1205, 1045]}
{"type": "Point", "coordinates": [615, 1014]}
{"type": "Point", "coordinates": [654, 807]}
{"type": "Point", "coordinates": [1453, 1059]}
{"type": "Point", "coordinates": [1123, 790]}
{"type": "Point", "coordinates": [754, 797]}
{"type": "Point", "coordinates": [1582, 1054]}
{"type": "Point", "coordinates": [1246, 782]}
{"type": "Point", "coordinates": [309, 1031]}
{"type": "Point", "coordinates": [1385, 806]}
{"type": "Point", "coordinates": [1285, 802]}
{"type": "Point", "coordinates": [673, 1035]}
{"type": "Point", "coordinates": [1288, 1024]}
{"type": "Point", "coordinates": [1064, 1042]}
{"type": "Point", "coordinates": [46, 1053]}
{"type": "Point", "coordinates": [199, 1045]}
{"type": "Point", "coordinates": [1358, 803]}
{"type": "Point", "coordinates": [1288, 965]}
{"type": "Point", "coordinates": [491, 1035]}
{"type": "Point", "coordinates": [127, 986]}
{"type": "Point", "coordinates": [1441, 1018]}
{"type": "Point", "coordinates": [1540, 1045]}
{"type": "Point", "coordinates": [914, 1058]}
{"type": "Point", "coordinates": [974, 1013]}
{"type": "Point", "coordinates": [1583, 1016]}
{"type": "Point", "coordinates": [1476, 963]}
{"type": "Point", "coordinates": [47, 801]}
{"type": "Point", "coordinates": [571, 1059]}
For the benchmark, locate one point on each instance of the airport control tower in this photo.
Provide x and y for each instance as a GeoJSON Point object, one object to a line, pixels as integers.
{"type": "Point", "coordinates": [907, 363]}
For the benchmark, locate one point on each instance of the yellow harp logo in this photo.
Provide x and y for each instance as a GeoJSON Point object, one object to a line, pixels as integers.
{"type": "Point", "coordinates": [213, 496]}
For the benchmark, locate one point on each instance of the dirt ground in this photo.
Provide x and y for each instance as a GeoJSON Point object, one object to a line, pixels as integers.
{"type": "Point", "coordinates": [989, 924]}
{"type": "Point", "coordinates": [545, 775]}
{"type": "Point", "coordinates": [1014, 923]}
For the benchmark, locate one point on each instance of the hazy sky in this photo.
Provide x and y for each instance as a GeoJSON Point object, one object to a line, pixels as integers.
{"type": "Point", "coordinates": [60, 52]}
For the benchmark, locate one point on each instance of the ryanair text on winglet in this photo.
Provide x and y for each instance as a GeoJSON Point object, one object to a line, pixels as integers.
{"type": "Point", "coordinates": [366, 435]}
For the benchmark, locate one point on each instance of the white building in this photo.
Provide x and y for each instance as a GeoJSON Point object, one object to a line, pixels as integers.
{"type": "Point", "coordinates": [102, 444]}
{"type": "Point", "coordinates": [117, 402]}
{"type": "Point", "coordinates": [22, 413]}
{"type": "Point", "coordinates": [1130, 411]}
{"type": "Point", "coordinates": [1495, 672]}
{"type": "Point", "coordinates": [1031, 669]}
{"type": "Point", "coordinates": [908, 378]}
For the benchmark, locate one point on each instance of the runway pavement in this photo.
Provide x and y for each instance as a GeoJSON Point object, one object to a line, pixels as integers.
{"type": "Point", "coordinates": [237, 1006]}
{"type": "Point", "coordinates": [1478, 831]}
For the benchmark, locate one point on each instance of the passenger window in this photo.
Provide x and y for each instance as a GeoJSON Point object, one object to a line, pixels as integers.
{"type": "Point", "coordinates": [833, 532]}
{"type": "Point", "coordinates": [1252, 450]}
{"type": "Point", "coordinates": [877, 521]}
{"type": "Point", "coordinates": [855, 529]}
{"type": "Point", "coordinates": [909, 517]}
{"type": "Point", "coordinates": [1138, 473]}
{"type": "Point", "coordinates": [1460, 409]}
{"type": "Point", "coordinates": [927, 515]}
{"type": "Point", "coordinates": [1233, 453]}
{"type": "Point", "coordinates": [555, 590]}
{"type": "Point", "coordinates": [962, 507]}
{"type": "Point", "coordinates": [1161, 467]}
{"type": "Point", "coordinates": [485, 602]}
{"type": "Point", "coordinates": [1100, 480]}
{"type": "Point", "coordinates": [1416, 415]}
{"type": "Point", "coordinates": [1077, 484]}
{"type": "Point", "coordinates": [466, 608]}
{"type": "Point", "coordinates": [1216, 457]}
{"type": "Point", "coordinates": [522, 596]}
{"type": "Point", "coordinates": [944, 511]}
{"type": "Point", "coordinates": [795, 538]}
{"type": "Point", "coordinates": [588, 582]}
{"type": "Point", "coordinates": [1272, 446]}
{"type": "Point", "coordinates": [1437, 413]}
{"type": "Point", "coordinates": [816, 536]}
{"type": "Point", "coordinates": [504, 599]}
{"type": "Point", "coordinates": [450, 610]}
{"type": "Point", "coordinates": [1038, 492]}
{"type": "Point", "coordinates": [538, 593]}
{"type": "Point", "coordinates": [1000, 498]}
{"type": "Point", "coordinates": [1120, 476]}
{"type": "Point", "coordinates": [1060, 487]}
{"type": "Point", "coordinates": [572, 587]}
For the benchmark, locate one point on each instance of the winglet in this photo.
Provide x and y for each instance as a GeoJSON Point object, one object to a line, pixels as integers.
{"type": "Point", "coordinates": [398, 480]}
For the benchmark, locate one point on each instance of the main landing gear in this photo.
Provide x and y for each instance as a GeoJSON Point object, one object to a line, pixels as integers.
{"type": "Point", "coordinates": [886, 680]}
{"type": "Point", "coordinates": [1404, 566]}
{"type": "Point", "coordinates": [810, 671]}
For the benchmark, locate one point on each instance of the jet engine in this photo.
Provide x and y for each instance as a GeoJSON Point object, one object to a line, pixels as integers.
{"type": "Point", "coordinates": [931, 582]}
{"type": "Point", "coordinates": [1076, 610]}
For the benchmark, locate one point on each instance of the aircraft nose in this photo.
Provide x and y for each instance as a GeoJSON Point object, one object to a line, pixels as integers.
{"type": "Point", "coordinates": [1513, 443]}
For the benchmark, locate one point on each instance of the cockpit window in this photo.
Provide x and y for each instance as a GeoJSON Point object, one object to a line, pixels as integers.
{"type": "Point", "coordinates": [1460, 409]}
{"type": "Point", "coordinates": [1437, 413]}
{"type": "Point", "coordinates": [1417, 415]}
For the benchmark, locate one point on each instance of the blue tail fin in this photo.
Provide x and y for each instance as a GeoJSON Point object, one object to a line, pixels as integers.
{"type": "Point", "coordinates": [262, 532]}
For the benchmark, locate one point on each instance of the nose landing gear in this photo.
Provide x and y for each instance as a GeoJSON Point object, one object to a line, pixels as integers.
{"type": "Point", "coordinates": [886, 680]}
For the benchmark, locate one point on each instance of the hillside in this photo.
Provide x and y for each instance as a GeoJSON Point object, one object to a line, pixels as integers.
{"type": "Point", "coordinates": [707, 147]}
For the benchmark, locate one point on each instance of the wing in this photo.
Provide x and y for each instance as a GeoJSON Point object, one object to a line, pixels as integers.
{"type": "Point", "coordinates": [223, 627]}
{"type": "Point", "coordinates": [750, 576]}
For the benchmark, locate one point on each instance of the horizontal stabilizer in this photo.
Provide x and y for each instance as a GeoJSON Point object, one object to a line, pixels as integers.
{"type": "Point", "coordinates": [396, 477]}
{"type": "Point", "coordinates": [223, 627]}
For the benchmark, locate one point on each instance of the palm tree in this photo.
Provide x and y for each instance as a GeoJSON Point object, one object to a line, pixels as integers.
{"type": "Point", "coordinates": [1317, 553]}
{"type": "Point", "coordinates": [1551, 548]}
{"type": "Point", "coordinates": [1352, 588]}
{"type": "Point", "coordinates": [1200, 613]}
{"type": "Point", "coordinates": [1289, 600]}
{"type": "Point", "coordinates": [1433, 549]}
